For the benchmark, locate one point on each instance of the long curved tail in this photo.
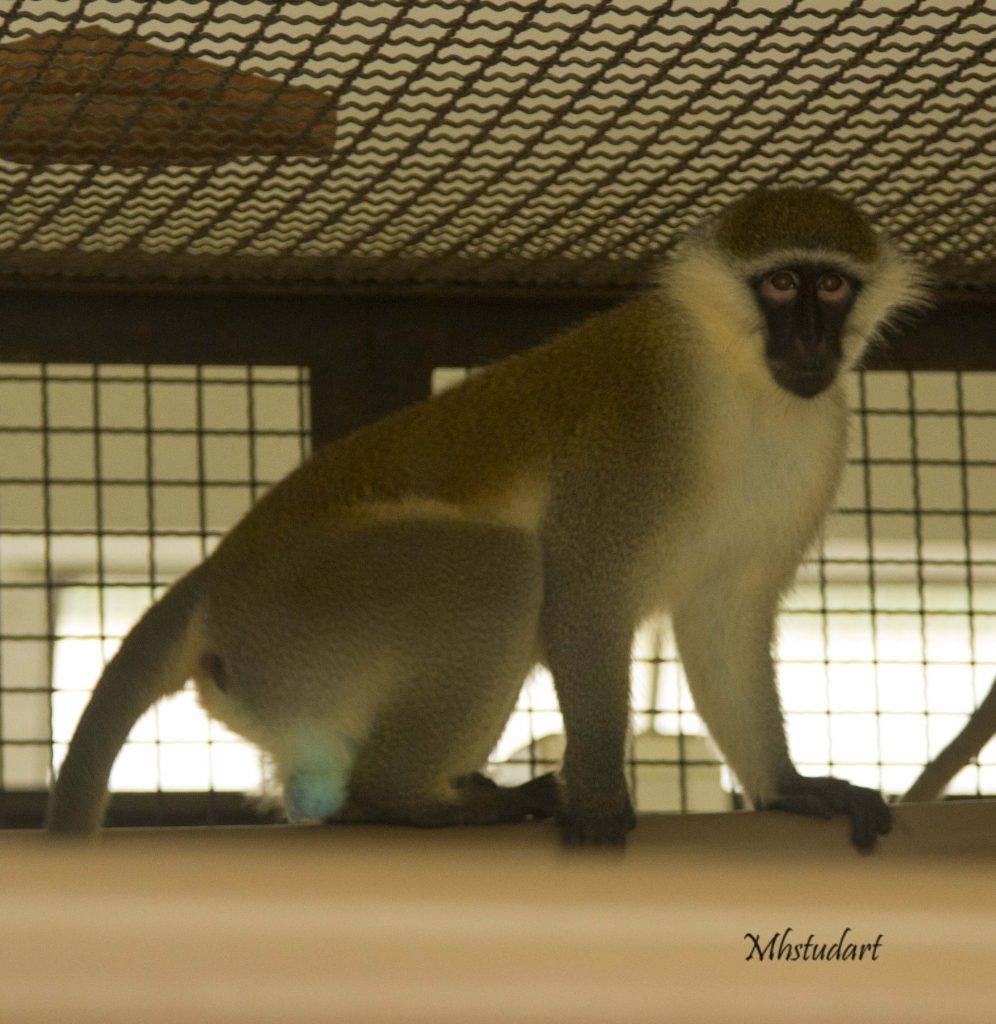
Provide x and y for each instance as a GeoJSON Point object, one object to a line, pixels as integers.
{"type": "Point", "coordinates": [155, 659]}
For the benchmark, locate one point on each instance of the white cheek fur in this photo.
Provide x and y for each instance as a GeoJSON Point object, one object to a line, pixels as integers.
{"type": "Point", "coordinates": [720, 305]}
{"type": "Point", "coordinates": [714, 293]}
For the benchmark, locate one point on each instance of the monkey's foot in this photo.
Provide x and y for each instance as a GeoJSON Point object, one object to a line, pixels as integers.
{"type": "Point", "coordinates": [480, 801]}
{"type": "Point", "coordinates": [537, 798]}
{"type": "Point", "coordinates": [824, 797]}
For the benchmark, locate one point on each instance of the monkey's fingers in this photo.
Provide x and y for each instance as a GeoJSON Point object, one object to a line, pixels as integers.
{"type": "Point", "coordinates": [597, 829]}
{"type": "Point", "coordinates": [824, 797]}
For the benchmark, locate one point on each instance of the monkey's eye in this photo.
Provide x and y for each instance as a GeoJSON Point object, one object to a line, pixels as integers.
{"type": "Point", "coordinates": [781, 286]}
{"type": "Point", "coordinates": [833, 287]}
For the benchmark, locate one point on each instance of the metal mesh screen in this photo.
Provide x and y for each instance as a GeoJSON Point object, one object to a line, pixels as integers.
{"type": "Point", "coordinates": [397, 145]}
{"type": "Point", "coordinates": [115, 479]}
{"type": "Point", "coordinates": [886, 643]}
{"type": "Point", "coordinates": [497, 142]}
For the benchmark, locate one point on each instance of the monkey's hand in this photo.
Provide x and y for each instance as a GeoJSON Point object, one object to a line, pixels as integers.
{"type": "Point", "coordinates": [825, 797]}
{"type": "Point", "coordinates": [597, 827]}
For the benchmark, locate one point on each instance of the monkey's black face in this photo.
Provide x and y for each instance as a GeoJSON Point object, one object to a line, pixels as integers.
{"type": "Point", "coordinates": [805, 307]}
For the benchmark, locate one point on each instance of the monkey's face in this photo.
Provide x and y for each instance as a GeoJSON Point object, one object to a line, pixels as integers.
{"type": "Point", "coordinates": [805, 307]}
{"type": "Point", "coordinates": [793, 299]}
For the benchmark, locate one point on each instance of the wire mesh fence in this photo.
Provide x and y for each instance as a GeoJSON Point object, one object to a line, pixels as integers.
{"type": "Point", "coordinates": [499, 142]}
{"type": "Point", "coordinates": [886, 643]}
{"type": "Point", "coordinates": [413, 145]}
{"type": "Point", "coordinates": [114, 480]}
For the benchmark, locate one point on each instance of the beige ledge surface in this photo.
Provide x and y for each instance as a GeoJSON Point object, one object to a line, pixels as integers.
{"type": "Point", "coordinates": [498, 924]}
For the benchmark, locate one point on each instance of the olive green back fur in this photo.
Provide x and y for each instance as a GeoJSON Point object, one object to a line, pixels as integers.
{"type": "Point", "coordinates": [593, 395]}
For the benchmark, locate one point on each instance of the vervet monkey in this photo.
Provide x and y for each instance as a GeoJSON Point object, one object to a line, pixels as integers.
{"type": "Point", "coordinates": [371, 620]}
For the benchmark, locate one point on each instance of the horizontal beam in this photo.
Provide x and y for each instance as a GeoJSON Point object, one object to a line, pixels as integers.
{"type": "Point", "coordinates": [91, 325]}
{"type": "Point", "coordinates": [951, 827]}
{"type": "Point", "coordinates": [490, 925]}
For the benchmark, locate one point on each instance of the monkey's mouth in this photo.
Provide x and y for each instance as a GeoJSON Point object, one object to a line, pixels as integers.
{"type": "Point", "coordinates": [805, 383]}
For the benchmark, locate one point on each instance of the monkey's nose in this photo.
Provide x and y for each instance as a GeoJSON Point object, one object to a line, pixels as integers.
{"type": "Point", "coordinates": [810, 351]}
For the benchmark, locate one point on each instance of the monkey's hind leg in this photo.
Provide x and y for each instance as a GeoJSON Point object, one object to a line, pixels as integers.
{"type": "Point", "coordinates": [470, 607]}
{"type": "Point", "coordinates": [420, 764]}
{"type": "Point", "coordinates": [409, 637]}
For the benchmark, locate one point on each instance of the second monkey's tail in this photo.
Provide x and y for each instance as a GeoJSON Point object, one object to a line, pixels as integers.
{"type": "Point", "coordinates": [154, 660]}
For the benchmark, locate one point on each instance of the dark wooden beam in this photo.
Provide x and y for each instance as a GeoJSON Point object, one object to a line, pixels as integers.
{"type": "Point", "coordinates": [959, 333]}
{"type": "Point", "coordinates": [369, 354]}
{"type": "Point", "coordinates": [88, 325]}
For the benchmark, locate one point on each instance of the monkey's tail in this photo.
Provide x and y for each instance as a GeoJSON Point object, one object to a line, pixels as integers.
{"type": "Point", "coordinates": [154, 660]}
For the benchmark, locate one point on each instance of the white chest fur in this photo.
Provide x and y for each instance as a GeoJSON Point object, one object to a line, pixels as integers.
{"type": "Point", "coordinates": [771, 463]}
{"type": "Point", "coordinates": [766, 474]}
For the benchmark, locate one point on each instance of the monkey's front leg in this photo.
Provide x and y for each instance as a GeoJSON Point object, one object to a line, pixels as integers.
{"type": "Point", "coordinates": [588, 652]}
{"type": "Point", "coordinates": [725, 633]}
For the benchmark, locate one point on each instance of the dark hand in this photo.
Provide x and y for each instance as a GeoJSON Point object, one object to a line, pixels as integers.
{"type": "Point", "coordinates": [597, 826]}
{"type": "Point", "coordinates": [825, 797]}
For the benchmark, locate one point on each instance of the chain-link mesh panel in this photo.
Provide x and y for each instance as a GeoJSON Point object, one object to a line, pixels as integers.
{"type": "Point", "coordinates": [489, 142]}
